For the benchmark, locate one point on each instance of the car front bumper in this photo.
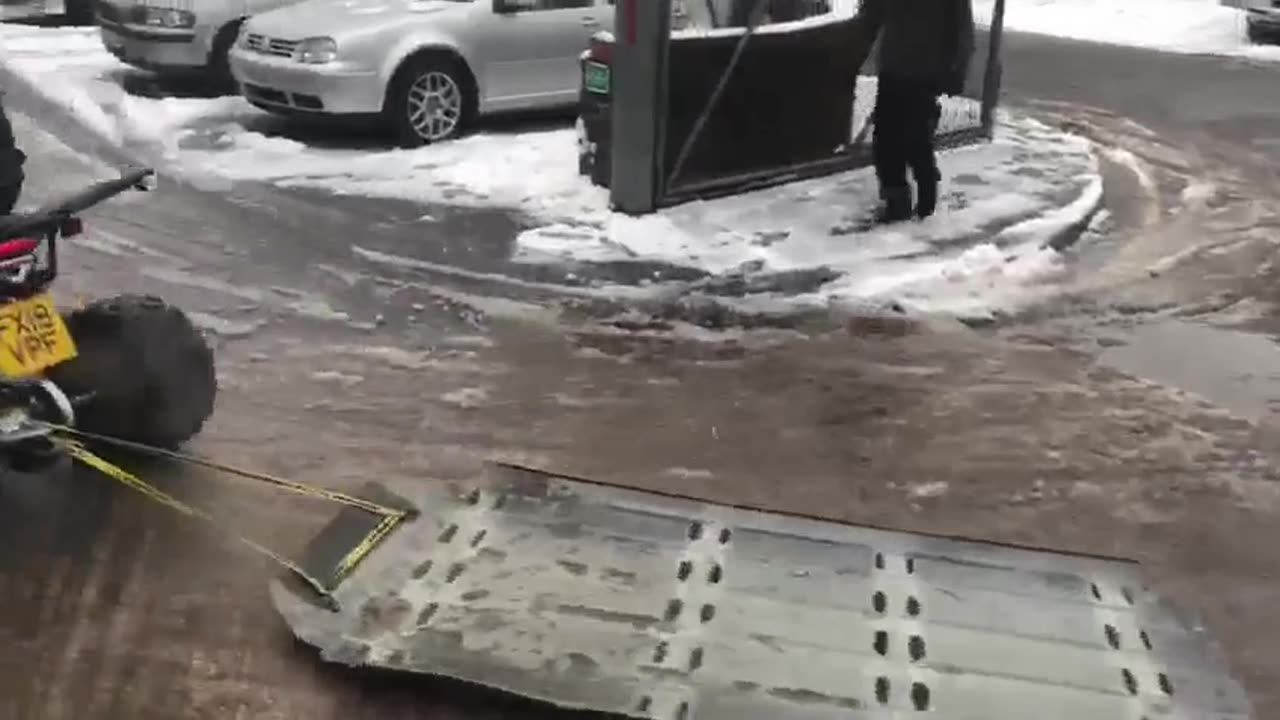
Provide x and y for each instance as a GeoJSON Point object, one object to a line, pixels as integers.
{"type": "Point", "coordinates": [285, 85]}
{"type": "Point", "coordinates": [157, 50]}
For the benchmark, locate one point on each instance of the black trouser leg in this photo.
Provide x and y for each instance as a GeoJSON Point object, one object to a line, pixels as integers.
{"type": "Point", "coordinates": [921, 155]}
{"type": "Point", "coordinates": [890, 149]}
{"type": "Point", "coordinates": [887, 141]}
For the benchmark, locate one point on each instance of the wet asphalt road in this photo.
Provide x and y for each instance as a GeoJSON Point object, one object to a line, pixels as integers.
{"type": "Point", "coordinates": [1226, 109]}
{"type": "Point", "coordinates": [336, 368]}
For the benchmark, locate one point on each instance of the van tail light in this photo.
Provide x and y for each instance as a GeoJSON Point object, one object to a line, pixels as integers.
{"type": "Point", "coordinates": [601, 50]}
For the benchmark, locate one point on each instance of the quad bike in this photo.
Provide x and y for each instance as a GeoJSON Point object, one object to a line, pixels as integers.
{"type": "Point", "coordinates": [130, 367]}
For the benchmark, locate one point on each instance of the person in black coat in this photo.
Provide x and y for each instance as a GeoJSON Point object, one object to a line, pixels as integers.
{"type": "Point", "coordinates": [925, 46]}
{"type": "Point", "coordinates": [11, 161]}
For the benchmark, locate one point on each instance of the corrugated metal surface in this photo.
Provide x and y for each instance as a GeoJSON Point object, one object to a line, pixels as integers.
{"type": "Point", "coordinates": [586, 595]}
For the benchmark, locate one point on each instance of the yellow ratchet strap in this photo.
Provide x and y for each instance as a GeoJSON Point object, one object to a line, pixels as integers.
{"type": "Point", "coordinates": [72, 442]}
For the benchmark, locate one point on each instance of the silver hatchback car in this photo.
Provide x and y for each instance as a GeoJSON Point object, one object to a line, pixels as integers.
{"type": "Point", "coordinates": [426, 67]}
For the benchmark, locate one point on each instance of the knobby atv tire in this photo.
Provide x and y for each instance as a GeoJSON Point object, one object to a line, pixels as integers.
{"type": "Point", "coordinates": [149, 370]}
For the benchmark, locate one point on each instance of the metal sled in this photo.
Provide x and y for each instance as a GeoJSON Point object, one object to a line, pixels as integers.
{"type": "Point", "coordinates": [591, 596]}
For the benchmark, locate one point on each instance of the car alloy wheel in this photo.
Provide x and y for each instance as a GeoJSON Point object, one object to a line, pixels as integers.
{"type": "Point", "coordinates": [435, 106]}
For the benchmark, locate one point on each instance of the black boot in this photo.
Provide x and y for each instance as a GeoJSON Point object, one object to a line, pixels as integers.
{"type": "Point", "coordinates": [927, 195]}
{"type": "Point", "coordinates": [895, 205]}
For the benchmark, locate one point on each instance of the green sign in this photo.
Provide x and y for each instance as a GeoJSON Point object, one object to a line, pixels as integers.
{"type": "Point", "coordinates": [596, 77]}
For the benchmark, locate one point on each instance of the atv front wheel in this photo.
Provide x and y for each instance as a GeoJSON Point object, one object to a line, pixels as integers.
{"type": "Point", "coordinates": [145, 370]}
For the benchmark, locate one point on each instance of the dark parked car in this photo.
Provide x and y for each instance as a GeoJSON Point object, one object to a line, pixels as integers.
{"type": "Point", "coordinates": [1263, 19]}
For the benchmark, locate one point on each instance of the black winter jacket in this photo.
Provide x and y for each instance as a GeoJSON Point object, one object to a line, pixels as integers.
{"type": "Point", "coordinates": [924, 41]}
{"type": "Point", "coordinates": [11, 158]}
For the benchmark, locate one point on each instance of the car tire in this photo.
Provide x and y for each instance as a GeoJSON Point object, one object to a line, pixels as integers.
{"type": "Point", "coordinates": [422, 79]}
{"type": "Point", "coordinates": [220, 79]}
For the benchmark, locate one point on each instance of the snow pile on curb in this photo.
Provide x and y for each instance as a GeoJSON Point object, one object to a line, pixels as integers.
{"type": "Point", "coordinates": [1001, 204]}
{"type": "Point", "coordinates": [67, 75]}
{"type": "Point", "coordinates": [1203, 27]}
{"type": "Point", "coordinates": [1004, 207]}
{"type": "Point", "coordinates": [58, 100]}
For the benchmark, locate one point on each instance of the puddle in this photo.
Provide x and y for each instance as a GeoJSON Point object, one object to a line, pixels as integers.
{"type": "Point", "coordinates": [1237, 371]}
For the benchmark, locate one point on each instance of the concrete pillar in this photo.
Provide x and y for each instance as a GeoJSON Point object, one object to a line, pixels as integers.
{"type": "Point", "coordinates": [638, 104]}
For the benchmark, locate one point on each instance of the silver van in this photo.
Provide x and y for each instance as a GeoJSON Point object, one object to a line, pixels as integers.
{"type": "Point", "coordinates": [183, 38]}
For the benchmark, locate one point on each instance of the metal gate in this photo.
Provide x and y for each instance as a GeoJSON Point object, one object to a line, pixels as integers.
{"type": "Point", "coordinates": [592, 596]}
{"type": "Point", "coordinates": [660, 123]}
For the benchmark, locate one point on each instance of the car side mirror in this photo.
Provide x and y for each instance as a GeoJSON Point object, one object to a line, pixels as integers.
{"type": "Point", "coordinates": [503, 7]}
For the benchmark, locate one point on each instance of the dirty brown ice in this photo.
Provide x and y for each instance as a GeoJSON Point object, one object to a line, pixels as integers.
{"type": "Point", "coordinates": [1132, 418]}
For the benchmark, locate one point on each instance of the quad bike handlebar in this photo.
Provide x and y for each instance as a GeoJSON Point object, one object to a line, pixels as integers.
{"type": "Point", "coordinates": [25, 223]}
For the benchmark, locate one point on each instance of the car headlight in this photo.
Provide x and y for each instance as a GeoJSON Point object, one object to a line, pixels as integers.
{"type": "Point", "coordinates": [165, 18]}
{"type": "Point", "coordinates": [317, 50]}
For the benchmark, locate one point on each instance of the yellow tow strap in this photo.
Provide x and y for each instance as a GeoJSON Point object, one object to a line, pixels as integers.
{"type": "Point", "coordinates": [72, 442]}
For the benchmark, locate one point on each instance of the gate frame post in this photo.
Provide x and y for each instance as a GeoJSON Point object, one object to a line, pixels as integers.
{"type": "Point", "coordinates": [638, 106]}
{"type": "Point", "coordinates": [992, 79]}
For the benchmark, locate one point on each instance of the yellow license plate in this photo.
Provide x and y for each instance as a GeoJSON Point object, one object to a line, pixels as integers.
{"type": "Point", "coordinates": [33, 337]}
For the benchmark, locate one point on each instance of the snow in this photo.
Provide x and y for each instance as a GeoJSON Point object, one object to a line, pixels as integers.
{"type": "Point", "coordinates": [1181, 26]}
{"type": "Point", "coordinates": [808, 23]}
{"type": "Point", "coordinates": [984, 251]}
{"type": "Point", "coordinates": [36, 58]}
{"type": "Point", "coordinates": [1024, 188]}
{"type": "Point", "coordinates": [1020, 176]}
